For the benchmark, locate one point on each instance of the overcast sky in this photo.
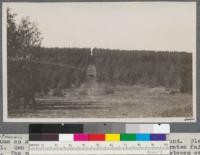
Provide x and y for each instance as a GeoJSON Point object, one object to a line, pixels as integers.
{"type": "Point", "coordinates": [122, 25]}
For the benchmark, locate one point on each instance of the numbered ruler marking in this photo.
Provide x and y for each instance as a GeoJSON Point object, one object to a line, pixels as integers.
{"type": "Point", "coordinates": [62, 148]}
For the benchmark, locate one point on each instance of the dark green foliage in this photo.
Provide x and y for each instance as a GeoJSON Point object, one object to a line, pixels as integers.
{"type": "Point", "coordinates": [21, 40]}
{"type": "Point", "coordinates": [52, 68]}
{"type": "Point", "coordinates": [61, 68]}
{"type": "Point", "coordinates": [169, 69]}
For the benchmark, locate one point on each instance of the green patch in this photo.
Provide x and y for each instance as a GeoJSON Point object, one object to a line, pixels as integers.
{"type": "Point", "coordinates": [127, 137]}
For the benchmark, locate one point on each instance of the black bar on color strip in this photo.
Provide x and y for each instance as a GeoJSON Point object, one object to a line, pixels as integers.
{"type": "Point", "coordinates": [55, 128]}
{"type": "Point", "coordinates": [35, 137]}
{"type": "Point", "coordinates": [44, 137]}
{"type": "Point", "coordinates": [35, 128]}
{"type": "Point", "coordinates": [72, 128]}
{"type": "Point", "coordinates": [50, 128]}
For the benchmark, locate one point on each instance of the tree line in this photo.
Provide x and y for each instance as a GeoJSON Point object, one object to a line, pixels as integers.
{"type": "Point", "coordinates": [170, 69]}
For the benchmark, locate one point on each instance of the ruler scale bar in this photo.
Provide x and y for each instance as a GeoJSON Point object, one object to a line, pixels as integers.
{"type": "Point", "coordinates": [61, 148]}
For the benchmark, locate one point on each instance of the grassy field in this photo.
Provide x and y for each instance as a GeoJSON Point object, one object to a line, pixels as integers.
{"type": "Point", "coordinates": [92, 99]}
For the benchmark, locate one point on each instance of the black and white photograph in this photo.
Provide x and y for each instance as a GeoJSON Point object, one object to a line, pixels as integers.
{"type": "Point", "coordinates": [99, 61]}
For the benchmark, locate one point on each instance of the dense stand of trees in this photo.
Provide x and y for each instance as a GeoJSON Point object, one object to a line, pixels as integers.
{"type": "Point", "coordinates": [60, 68]}
{"type": "Point", "coordinates": [50, 69]}
{"type": "Point", "coordinates": [168, 69]}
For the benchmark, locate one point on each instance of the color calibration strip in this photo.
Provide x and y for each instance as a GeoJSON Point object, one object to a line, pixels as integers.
{"type": "Point", "coordinates": [99, 128]}
{"type": "Point", "coordinates": [98, 137]}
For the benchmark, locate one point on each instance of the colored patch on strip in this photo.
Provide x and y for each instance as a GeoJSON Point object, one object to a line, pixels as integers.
{"type": "Point", "coordinates": [66, 137]}
{"type": "Point", "coordinates": [35, 137]}
{"type": "Point", "coordinates": [80, 137]}
{"type": "Point", "coordinates": [112, 137]}
{"type": "Point", "coordinates": [50, 137]}
{"type": "Point", "coordinates": [127, 137]}
{"type": "Point", "coordinates": [158, 137]}
{"type": "Point", "coordinates": [96, 137]}
{"type": "Point", "coordinates": [143, 137]}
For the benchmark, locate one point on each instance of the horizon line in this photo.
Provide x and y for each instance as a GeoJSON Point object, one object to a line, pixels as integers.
{"type": "Point", "coordinates": [120, 49]}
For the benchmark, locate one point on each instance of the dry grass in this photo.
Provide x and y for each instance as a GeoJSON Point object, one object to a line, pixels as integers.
{"type": "Point", "coordinates": [93, 100]}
